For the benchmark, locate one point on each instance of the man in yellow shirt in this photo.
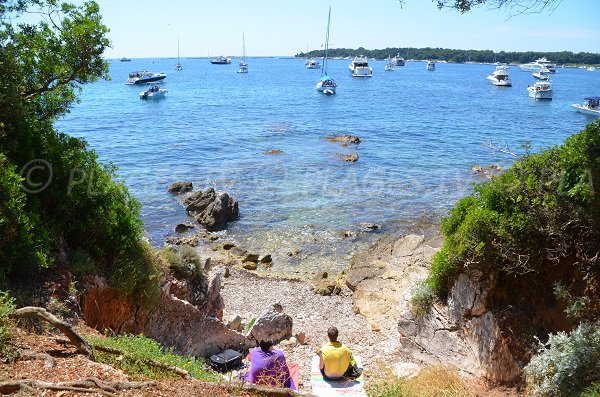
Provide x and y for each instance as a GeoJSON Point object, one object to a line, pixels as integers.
{"type": "Point", "coordinates": [334, 357]}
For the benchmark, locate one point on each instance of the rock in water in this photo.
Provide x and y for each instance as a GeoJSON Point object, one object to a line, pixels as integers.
{"type": "Point", "coordinates": [180, 187]}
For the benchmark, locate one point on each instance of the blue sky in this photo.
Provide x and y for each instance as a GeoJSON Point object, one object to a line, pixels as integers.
{"type": "Point", "coordinates": [150, 28]}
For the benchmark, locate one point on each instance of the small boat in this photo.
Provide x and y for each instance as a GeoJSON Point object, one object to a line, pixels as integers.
{"type": "Point", "coordinates": [590, 68]}
{"type": "Point", "coordinates": [326, 84]}
{"type": "Point", "coordinates": [500, 77]}
{"type": "Point", "coordinates": [243, 65]}
{"type": "Point", "coordinates": [312, 64]}
{"type": "Point", "coordinates": [143, 76]}
{"type": "Point", "coordinates": [390, 66]}
{"type": "Point", "coordinates": [359, 67]}
{"type": "Point", "coordinates": [178, 65]}
{"type": "Point", "coordinates": [124, 59]}
{"type": "Point", "coordinates": [591, 106]}
{"type": "Point", "coordinates": [541, 63]}
{"type": "Point", "coordinates": [542, 74]}
{"type": "Point", "coordinates": [221, 60]}
{"type": "Point", "coordinates": [430, 65]}
{"type": "Point", "coordinates": [540, 90]}
{"type": "Point", "coordinates": [153, 92]}
{"type": "Point", "coordinates": [398, 60]}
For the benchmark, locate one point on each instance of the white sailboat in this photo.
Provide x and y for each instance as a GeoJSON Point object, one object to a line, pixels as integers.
{"type": "Point", "coordinates": [326, 84]}
{"type": "Point", "coordinates": [178, 65]}
{"type": "Point", "coordinates": [243, 64]}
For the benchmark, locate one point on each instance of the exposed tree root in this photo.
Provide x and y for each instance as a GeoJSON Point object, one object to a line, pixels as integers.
{"type": "Point", "coordinates": [87, 385]}
{"type": "Point", "coordinates": [41, 313]}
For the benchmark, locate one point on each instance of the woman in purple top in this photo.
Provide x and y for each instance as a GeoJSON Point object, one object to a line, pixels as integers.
{"type": "Point", "coordinates": [268, 367]}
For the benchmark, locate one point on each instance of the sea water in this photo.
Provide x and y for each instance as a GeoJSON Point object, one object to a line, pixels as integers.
{"type": "Point", "coordinates": [421, 134]}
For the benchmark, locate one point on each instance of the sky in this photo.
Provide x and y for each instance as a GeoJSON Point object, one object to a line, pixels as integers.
{"type": "Point", "coordinates": [152, 28]}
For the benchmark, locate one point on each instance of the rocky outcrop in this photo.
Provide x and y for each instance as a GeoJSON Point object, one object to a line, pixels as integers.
{"type": "Point", "coordinates": [344, 139]}
{"type": "Point", "coordinates": [210, 209]}
{"type": "Point", "coordinates": [180, 187]}
{"type": "Point", "coordinates": [273, 324]}
{"type": "Point", "coordinates": [462, 333]}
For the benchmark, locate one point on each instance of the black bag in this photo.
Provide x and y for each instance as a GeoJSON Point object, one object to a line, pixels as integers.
{"type": "Point", "coordinates": [225, 361]}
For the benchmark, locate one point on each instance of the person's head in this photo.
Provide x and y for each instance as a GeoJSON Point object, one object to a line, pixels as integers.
{"type": "Point", "coordinates": [332, 333]}
{"type": "Point", "coordinates": [265, 345]}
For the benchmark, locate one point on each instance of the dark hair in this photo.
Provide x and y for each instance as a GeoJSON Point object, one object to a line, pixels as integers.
{"type": "Point", "coordinates": [265, 345]}
{"type": "Point", "coordinates": [332, 333]}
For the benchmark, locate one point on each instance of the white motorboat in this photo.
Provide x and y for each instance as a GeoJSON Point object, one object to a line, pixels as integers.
{"type": "Point", "coordinates": [326, 84]}
{"type": "Point", "coordinates": [430, 65]}
{"type": "Point", "coordinates": [540, 90]}
{"type": "Point", "coordinates": [143, 77]}
{"type": "Point", "coordinates": [243, 65]}
{"type": "Point", "coordinates": [221, 60]}
{"type": "Point", "coordinates": [313, 64]}
{"type": "Point", "coordinates": [542, 74]}
{"type": "Point", "coordinates": [500, 77]}
{"type": "Point", "coordinates": [590, 69]}
{"type": "Point", "coordinates": [153, 92]}
{"type": "Point", "coordinates": [541, 63]}
{"type": "Point", "coordinates": [390, 66]}
{"type": "Point", "coordinates": [125, 59]}
{"type": "Point", "coordinates": [359, 67]}
{"type": "Point", "coordinates": [591, 106]}
{"type": "Point", "coordinates": [398, 60]}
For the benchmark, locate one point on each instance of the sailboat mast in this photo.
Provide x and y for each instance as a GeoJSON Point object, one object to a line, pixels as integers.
{"type": "Point", "coordinates": [324, 66]}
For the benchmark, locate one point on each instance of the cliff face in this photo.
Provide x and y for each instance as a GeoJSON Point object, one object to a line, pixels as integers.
{"type": "Point", "coordinates": [463, 332]}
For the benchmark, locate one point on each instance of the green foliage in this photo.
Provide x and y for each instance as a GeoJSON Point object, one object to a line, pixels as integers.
{"type": "Point", "coordinates": [7, 306]}
{"type": "Point", "coordinates": [541, 215]}
{"type": "Point", "coordinates": [567, 364]}
{"type": "Point", "coordinates": [388, 389]}
{"type": "Point", "coordinates": [139, 350]}
{"type": "Point", "coordinates": [184, 261]}
{"type": "Point", "coordinates": [421, 299]}
{"type": "Point", "coordinates": [591, 391]}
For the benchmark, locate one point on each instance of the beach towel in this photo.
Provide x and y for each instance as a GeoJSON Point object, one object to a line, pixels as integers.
{"type": "Point", "coordinates": [335, 388]}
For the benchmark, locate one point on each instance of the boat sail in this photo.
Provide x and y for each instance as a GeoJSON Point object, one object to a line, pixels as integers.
{"type": "Point", "coordinates": [326, 84]}
{"type": "Point", "coordinates": [178, 65]}
{"type": "Point", "coordinates": [243, 64]}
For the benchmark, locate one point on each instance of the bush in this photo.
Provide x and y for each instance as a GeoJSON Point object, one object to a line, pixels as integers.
{"type": "Point", "coordinates": [184, 262]}
{"type": "Point", "coordinates": [567, 364]}
{"type": "Point", "coordinates": [7, 306]}
{"type": "Point", "coordinates": [421, 299]}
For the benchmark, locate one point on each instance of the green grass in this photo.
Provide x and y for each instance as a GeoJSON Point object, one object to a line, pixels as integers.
{"type": "Point", "coordinates": [139, 350]}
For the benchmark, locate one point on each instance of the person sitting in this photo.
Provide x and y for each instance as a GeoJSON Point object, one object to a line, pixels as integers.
{"type": "Point", "coordinates": [335, 359]}
{"type": "Point", "coordinates": [269, 367]}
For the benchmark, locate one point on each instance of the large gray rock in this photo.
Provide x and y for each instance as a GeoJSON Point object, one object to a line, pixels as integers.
{"type": "Point", "coordinates": [273, 324]}
{"type": "Point", "coordinates": [221, 210]}
{"type": "Point", "coordinates": [180, 187]}
{"type": "Point", "coordinates": [198, 201]}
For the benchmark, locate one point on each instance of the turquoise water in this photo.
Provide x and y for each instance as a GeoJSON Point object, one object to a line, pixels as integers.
{"type": "Point", "coordinates": [421, 133]}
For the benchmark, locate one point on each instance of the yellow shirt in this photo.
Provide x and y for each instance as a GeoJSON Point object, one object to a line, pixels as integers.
{"type": "Point", "coordinates": [336, 358]}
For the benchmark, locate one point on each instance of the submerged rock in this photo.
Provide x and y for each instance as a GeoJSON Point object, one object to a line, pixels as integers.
{"type": "Point", "coordinates": [344, 138]}
{"type": "Point", "coordinates": [351, 158]}
{"type": "Point", "coordinates": [273, 152]}
{"type": "Point", "coordinates": [180, 187]}
{"type": "Point", "coordinates": [183, 227]}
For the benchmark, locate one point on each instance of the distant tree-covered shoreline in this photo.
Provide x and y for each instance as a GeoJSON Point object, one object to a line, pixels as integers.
{"type": "Point", "coordinates": [461, 56]}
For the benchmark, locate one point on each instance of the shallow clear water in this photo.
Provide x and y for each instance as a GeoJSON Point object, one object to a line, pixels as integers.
{"type": "Point", "coordinates": [421, 133]}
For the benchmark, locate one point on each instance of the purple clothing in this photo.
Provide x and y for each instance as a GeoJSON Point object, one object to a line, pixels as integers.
{"type": "Point", "coordinates": [269, 369]}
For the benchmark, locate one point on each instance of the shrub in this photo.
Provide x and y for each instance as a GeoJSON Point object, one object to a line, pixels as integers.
{"type": "Point", "coordinates": [184, 262]}
{"type": "Point", "coordinates": [421, 299]}
{"type": "Point", "coordinates": [567, 364]}
{"type": "Point", "coordinates": [7, 306]}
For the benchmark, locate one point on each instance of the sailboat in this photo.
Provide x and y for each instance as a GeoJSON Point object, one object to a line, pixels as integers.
{"type": "Point", "coordinates": [243, 64]}
{"type": "Point", "coordinates": [326, 84]}
{"type": "Point", "coordinates": [178, 65]}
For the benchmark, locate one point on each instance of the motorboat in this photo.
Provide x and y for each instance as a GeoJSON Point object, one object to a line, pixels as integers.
{"type": "Point", "coordinates": [591, 106]}
{"type": "Point", "coordinates": [313, 64]}
{"type": "Point", "coordinates": [125, 59]}
{"type": "Point", "coordinates": [143, 77]}
{"type": "Point", "coordinates": [590, 68]}
{"type": "Point", "coordinates": [243, 65]}
{"type": "Point", "coordinates": [398, 60]}
{"type": "Point", "coordinates": [540, 90]}
{"type": "Point", "coordinates": [542, 74]}
{"type": "Point", "coordinates": [390, 66]}
{"type": "Point", "coordinates": [430, 65]}
{"type": "Point", "coordinates": [541, 63]}
{"type": "Point", "coordinates": [221, 60]}
{"type": "Point", "coordinates": [153, 92]}
{"type": "Point", "coordinates": [359, 67]}
{"type": "Point", "coordinates": [500, 77]}
{"type": "Point", "coordinates": [326, 84]}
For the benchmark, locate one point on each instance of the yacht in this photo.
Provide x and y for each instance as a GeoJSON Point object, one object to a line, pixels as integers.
{"type": "Point", "coordinates": [542, 74]}
{"type": "Point", "coordinates": [313, 64]}
{"type": "Point", "coordinates": [359, 67]}
{"type": "Point", "coordinates": [143, 76]}
{"type": "Point", "coordinates": [125, 59]}
{"type": "Point", "coordinates": [398, 60]}
{"type": "Point", "coordinates": [326, 84]}
{"type": "Point", "coordinates": [500, 77]}
{"type": "Point", "coordinates": [221, 60]}
{"type": "Point", "coordinates": [591, 106]}
{"type": "Point", "coordinates": [540, 90]}
{"type": "Point", "coordinates": [430, 65]}
{"type": "Point", "coordinates": [541, 63]}
{"type": "Point", "coordinates": [153, 93]}
{"type": "Point", "coordinates": [390, 66]}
